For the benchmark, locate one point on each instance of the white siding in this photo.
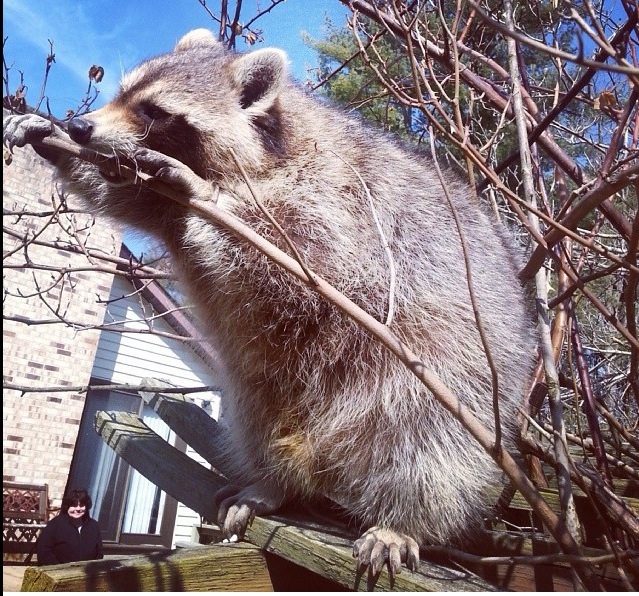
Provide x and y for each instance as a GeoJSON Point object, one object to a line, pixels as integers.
{"type": "Point", "coordinates": [131, 357]}
{"type": "Point", "coordinates": [186, 518]}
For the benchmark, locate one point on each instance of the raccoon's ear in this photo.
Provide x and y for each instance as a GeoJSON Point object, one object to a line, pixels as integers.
{"type": "Point", "coordinates": [260, 76]}
{"type": "Point", "coordinates": [195, 38]}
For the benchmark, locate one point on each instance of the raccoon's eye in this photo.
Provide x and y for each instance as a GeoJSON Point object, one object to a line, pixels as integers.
{"type": "Point", "coordinates": [150, 111]}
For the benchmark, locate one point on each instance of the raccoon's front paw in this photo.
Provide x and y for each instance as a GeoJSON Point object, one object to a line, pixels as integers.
{"type": "Point", "coordinates": [237, 506]}
{"type": "Point", "coordinates": [18, 130]}
{"type": "Point", "coordinates": [380, 546]}
{"type": "Point", "coordinates": [173, 173]}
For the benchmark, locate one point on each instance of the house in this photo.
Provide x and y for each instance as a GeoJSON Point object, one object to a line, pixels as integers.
{"type": "Point", "coordinates": [75, 318]}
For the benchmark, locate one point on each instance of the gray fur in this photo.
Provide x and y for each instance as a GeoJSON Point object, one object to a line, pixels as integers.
{"type": "Point", "coordinates": [316, 405]}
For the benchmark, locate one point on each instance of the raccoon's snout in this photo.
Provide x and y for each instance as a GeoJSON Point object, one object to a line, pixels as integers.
{"type": "Point", "coordinates": [80, 130]}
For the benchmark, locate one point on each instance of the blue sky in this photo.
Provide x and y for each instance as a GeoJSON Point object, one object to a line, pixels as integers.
{"type": "Point", "coordinates": [118, 34]}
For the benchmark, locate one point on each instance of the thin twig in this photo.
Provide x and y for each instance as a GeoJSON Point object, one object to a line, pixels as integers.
{"type": "Point", "coordinates": [473, 297]}
{"type": "Point", "coordinates": [392, 270]}
{"type": "Point", "coordinates": [275, 224]}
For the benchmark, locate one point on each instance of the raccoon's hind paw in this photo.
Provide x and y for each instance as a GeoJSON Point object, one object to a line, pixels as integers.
{"type": "Point", "coordinates": [17, 131]}
{"type": "Point", "coordinates": [174, 173]}
{"type": "Point", "coordinates": [379, 546]}
{"type": "Point", "coordinates": [237, 506]}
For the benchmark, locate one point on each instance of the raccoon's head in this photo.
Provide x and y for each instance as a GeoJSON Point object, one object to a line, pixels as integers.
{"type": "Point", "coordinates": [195, 104]}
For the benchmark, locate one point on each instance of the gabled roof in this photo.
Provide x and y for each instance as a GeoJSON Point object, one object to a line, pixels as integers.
{"type": "Point", "coordinates": [173, 312]}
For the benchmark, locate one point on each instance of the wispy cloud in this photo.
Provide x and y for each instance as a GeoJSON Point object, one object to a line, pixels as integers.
{"type": "Point", "coordinates": [80, 39]}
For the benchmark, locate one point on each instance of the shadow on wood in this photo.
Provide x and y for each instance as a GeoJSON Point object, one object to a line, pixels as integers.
{"type": "Point", "coordinates": [230, 567]}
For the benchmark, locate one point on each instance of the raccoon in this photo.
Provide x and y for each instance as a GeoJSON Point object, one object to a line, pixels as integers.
{"type": "Point", "coordinates": [317, 408]}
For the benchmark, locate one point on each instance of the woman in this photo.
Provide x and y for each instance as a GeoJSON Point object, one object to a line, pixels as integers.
{"type": "Point", "coordinates": [72, 535]}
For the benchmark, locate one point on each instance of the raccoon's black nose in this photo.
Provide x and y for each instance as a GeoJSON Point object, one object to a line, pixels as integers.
{"type": "Point", "coordinates": [80, 130]}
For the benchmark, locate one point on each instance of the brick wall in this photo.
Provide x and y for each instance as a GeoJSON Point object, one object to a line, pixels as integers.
{"type": "Point", "coordinates": [40, 428]}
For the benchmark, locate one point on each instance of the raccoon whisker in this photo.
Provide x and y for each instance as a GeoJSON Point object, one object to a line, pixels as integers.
{"type": "Point", "coordinates": [147, 131]}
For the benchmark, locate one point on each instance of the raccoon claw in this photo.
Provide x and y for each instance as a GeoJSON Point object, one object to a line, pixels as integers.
{"type": "Point", "coordinates": [18, 131]}
{"type": "Point", "coordinates": [237, 506]}
{"type": "Point", "coordinates": [379, 546]}
{"type": "Point", "coordinates": [173, 173]}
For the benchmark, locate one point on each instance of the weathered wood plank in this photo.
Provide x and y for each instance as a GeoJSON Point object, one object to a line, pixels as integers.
{"type": "Point", "coordinates": [192, 424]}
{"type": "Point", "coordinates": [319, 551]}
{"type": "Point", "coordinates": [331, 556]}
{"type": "Point", "coordinates": [168, 468]}
{"type": "Point", "coordinates": [229, 567]}
{"type": "Point", "coordinates": [551, 496]}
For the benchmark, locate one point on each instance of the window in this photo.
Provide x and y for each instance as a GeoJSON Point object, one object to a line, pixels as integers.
{"type": "Point", "coordinates": [129, 508]}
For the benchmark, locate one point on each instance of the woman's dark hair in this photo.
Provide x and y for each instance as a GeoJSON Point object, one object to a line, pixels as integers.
{"type": "Point", "coordinates": [75, 497]}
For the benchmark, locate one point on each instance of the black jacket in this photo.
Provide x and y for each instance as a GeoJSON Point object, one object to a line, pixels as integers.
{"type": "Point", "coordinates": [60, 541]}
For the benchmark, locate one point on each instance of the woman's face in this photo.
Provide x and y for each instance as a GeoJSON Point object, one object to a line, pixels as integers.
{"type": "Point", "coordinates": [77, 511]}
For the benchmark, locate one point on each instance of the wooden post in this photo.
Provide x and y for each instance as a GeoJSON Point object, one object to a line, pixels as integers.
{"type": "Point", "coordinates": [171, 470]}
{"type": "Point", "coordinates": [192, 424]}
{"type": "Point", "coordinates": [330, 555]}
